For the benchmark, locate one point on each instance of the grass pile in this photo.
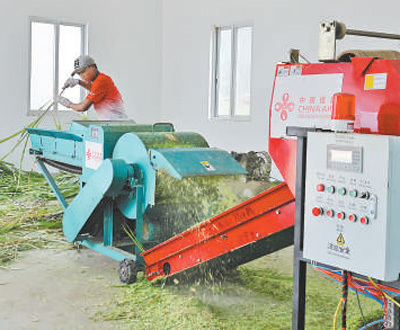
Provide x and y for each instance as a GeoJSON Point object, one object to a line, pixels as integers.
{"type": "Point", "coordinates": [30, 215]}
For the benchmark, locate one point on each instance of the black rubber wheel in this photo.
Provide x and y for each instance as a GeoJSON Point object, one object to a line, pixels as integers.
{"type": "Point", "coordinates": [127, 271]}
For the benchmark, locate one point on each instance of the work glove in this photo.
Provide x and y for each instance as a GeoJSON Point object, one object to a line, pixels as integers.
{"type": "Point", "coordinates": [63, 101]}
{"type": "Point", "coordinates": [71, 82]}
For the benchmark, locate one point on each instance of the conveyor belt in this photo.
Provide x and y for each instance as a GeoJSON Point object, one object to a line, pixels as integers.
{"type": "Point", "coordinates": [259, 226]}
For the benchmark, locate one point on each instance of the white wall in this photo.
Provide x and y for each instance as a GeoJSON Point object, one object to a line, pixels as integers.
{"type": "Point", "coordinates": [124, 38]}
{"type": "Point", "coordinates": [158, 54]}
{"type": "Point", "coordinates": [278, 26]}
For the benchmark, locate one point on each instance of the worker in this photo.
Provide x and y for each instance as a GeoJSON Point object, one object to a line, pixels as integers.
{"type": "Point", "coordinates": [103, 94]}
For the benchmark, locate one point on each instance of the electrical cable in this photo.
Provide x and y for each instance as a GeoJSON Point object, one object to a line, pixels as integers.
{"type": "Point", "coordinates": [337, 313]}
{"type": "Point", "coordinates": [385, 294]}
{"type": "Point", "coordinates": [369, 325]}
{"type": "Point", "coordinates": [345, 290]}
{"type": "Point", "coordinates": [378, 292]}
{"type": "Point", "coordinates": [354, 284]}
{"type": "Point", "coordinates": [360, 308]}
{"type": "Point", "coordinates": [362, 286]}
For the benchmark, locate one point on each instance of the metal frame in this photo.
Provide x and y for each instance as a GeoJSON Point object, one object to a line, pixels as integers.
{"type": "Point", "coordinates": [215, 45]}
{"type": "Point", "coordinates": [107, 247]}
{"type": "Point", "coordinates": [299, 263]}
{"type": "Point", "coordinates": [52, 184]}
{"type": "Point", "coordinates": [331, 31]}
{"type": "Point", "coordinates": [84, 47]}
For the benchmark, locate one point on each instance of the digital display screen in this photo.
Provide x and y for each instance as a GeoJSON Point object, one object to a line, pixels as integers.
{"type": "Point", "coordinates": [345, 158]}
{"type": "Point", "coordinates": [341, 156]}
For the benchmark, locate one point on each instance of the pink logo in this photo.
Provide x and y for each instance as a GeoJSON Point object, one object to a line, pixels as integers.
{"type": "Point", "coordinates": [284, 107]}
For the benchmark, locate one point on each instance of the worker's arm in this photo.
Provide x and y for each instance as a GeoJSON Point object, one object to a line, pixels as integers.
{"type": "Point", "coordinates": [85, 84]}
{"type": "Point", "coordinates": [82, 106]}
{"type": "Point", "coordinates": [71, 82]}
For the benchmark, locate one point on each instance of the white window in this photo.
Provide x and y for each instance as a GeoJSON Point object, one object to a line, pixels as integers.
{"type": "Point", "coordinates": [231, 72]}
{"type": "Point", "coordinates": [53, 48]}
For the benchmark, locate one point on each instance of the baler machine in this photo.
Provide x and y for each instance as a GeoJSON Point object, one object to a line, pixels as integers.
{"type": "Point", "coordinates": [118, 161]}
{"type": "Point", "coordinates": [335, 136]}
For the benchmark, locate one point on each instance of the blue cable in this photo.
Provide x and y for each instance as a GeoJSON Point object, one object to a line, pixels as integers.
{"type": "Point", "coordinates": [328, 269]}
{"type": "Point", "coordinates": [371, 324]}
{"type": "Point", "coordinates": [360, 284]}
{"type": "Point", "coordinates": [353, 289]}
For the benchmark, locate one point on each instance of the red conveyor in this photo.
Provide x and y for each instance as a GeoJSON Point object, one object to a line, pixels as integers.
{"type": "Point", "coordinates": [260, 225]}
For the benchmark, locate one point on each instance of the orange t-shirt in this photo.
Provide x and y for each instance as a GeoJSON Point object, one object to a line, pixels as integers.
{"type": "Point", "coordinates": [107, 100]}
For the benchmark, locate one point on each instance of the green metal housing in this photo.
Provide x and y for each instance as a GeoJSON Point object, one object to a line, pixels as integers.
{"type": "Point", "coordinates": [118, 161]}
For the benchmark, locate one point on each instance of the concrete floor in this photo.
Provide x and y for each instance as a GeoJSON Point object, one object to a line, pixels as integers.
{"type": "Point", "coordinates": [50, 289]}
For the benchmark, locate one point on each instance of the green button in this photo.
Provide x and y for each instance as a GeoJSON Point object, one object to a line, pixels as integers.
{"type": "Point", "coordinates": [353, 193]}
{"type": "Point", "coordinates": [331, 189]}
{"type": "Point", "coordinates": [342, 191]}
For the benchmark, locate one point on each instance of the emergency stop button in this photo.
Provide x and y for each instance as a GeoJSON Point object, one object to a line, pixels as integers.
{"type": "Point", "coordinates": [341, 215]}
{"type": "Point", "coordinates": [316, 211]}
{"type": "Point", "coordinates": [330, 213]}
{"type": "Point", "coordinates": [352, 217]}
{"type": "Point", "coordinates": [364, 220]}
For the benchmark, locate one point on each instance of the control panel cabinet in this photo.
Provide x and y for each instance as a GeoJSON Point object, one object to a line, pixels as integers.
{"type": "Point", "coordinates": [352, 203]}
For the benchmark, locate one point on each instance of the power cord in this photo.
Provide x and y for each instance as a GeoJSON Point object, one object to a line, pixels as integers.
{"type": "Point", "coordinates": [360, 308]}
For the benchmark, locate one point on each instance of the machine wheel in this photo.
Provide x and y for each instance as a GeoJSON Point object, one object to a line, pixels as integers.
{"type": "Point", "coordinates": [127, 271]}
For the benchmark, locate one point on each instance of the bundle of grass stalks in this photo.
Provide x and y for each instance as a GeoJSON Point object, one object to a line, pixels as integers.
{"type": "Point", "coordinates": [30, 215]}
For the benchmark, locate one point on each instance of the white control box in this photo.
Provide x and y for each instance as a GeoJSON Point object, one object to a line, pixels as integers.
{"type": "Point", "coordinates": [352, 203]}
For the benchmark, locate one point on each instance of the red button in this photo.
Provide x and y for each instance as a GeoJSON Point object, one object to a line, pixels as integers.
{"type": "Point", "coordinates": [330, 213]}
{"type": "Point", "coordinates": [364, 220]}
{"type": "Point", "coordinates": [320, 187]}
{"type": "Point", "coordinates": [352, 217]}
{"type": "Point", "coordinates": [316, 211]}
{"type": "Point", "coordinates": [341, 215]}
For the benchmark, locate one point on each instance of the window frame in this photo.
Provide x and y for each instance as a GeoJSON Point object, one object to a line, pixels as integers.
{"type": "Point", "coordinates": [214, 68]}
{"type": "Point", "coordinates": [56, 79]}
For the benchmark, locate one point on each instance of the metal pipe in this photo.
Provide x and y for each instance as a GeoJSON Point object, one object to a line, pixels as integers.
{"type": "Point", "coordinates": [372, 34]}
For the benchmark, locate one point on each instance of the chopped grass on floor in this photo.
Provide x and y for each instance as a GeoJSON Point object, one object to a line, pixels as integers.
{"type": "Point", "coordinates": [257, 295]}
{"type": "Point", "coordinates": [30, 216]}
{"type": "Point", "coordinates": [146, 306]}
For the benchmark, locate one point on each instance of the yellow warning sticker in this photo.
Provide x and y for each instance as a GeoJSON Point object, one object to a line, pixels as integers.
{"type": "Point", "coordinates": [207, 166]}
{"type": "Point", "coordinates": [340, 240]}
{"type": "Point", "coordinates": [375, 81]}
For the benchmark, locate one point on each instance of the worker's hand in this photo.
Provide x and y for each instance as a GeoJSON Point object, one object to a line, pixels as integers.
{"type": "Point", "coordinates": [71, 82]}
{"type": "Point", "coordinates": [63, 101]}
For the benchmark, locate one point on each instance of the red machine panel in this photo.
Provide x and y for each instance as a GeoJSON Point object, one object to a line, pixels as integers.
{"type": "Point", "coordinates": [303, 93]}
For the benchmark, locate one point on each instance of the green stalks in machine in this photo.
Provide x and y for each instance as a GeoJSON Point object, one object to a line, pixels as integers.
{"type": "Point", "coordinates": [181, 204]}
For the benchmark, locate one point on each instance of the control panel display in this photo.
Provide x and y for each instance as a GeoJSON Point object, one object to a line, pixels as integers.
{"type": "Point", "coordinates": [352, 203]}
{"type": "Point", "coordinates": [344, 158]}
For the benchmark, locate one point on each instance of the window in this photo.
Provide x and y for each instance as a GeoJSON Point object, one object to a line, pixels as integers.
{"type": "Point", "coordinates": [231, 72]}
{"type": "Point", "coordinates": [53, 48]}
